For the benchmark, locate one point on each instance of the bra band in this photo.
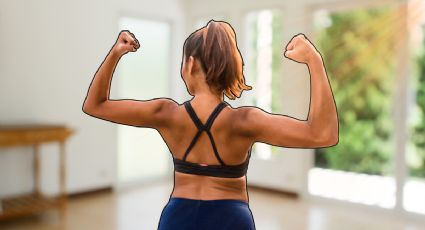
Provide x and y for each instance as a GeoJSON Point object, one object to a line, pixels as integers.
{"type": "Point", "coordinates": [222, 170]}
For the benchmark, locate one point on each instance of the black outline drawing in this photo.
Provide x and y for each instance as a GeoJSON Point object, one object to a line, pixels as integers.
{"type": "Point", "coordinates": [246, 178]}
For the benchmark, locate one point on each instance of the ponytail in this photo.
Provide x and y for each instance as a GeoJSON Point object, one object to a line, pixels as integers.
{"type": "Point", "coordinates": [216, 48]}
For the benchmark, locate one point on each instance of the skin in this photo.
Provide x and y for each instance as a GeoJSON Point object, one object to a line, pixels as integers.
{"type": "Point", "coordinates": [235, 130]}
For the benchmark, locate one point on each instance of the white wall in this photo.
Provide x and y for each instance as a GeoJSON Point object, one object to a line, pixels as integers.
{"type": "Point", "coordinates": [49, 52]}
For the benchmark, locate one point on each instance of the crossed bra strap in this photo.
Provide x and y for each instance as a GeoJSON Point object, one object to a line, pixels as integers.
{"type": "Point", "coordinates": [201, 127]}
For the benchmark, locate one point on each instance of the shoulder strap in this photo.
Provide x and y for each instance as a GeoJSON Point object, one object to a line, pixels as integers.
{"type": "Point", "coordinates": [201, 127]}
{"type": "Point", "coordinates": [193, 115]}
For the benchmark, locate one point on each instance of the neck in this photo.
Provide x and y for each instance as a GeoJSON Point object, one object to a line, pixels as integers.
{"type": "Point", "coordinates": [208, 98]}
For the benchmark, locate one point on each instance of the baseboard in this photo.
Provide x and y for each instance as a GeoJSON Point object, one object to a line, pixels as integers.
{"type": "Point", "coordinates": [96, 191]}
{"type": "Point", "coordinates": [273, 191]}
{"type": "Point", "coordinates": [110, 189]}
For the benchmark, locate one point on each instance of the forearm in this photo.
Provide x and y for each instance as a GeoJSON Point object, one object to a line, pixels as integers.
{"type": "Point", "coordinates": [322, 116]}
{"type": "Point", "coordinates": [100, 87]}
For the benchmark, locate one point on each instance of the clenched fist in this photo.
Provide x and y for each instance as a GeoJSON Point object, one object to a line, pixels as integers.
{"type": "Point", "coordinates": [125, 43]}
{"type": "Point", "coordinates": [300, 49]}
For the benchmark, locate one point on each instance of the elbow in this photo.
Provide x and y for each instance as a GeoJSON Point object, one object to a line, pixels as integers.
{"type": "Point", "coordinates": [94, 110]}
{"type": "Point", "coordinates": [326, 136]}
{"type": "Point", "coordinates": [332, 140]}
{"type": "Point", "coordinates": [326, 139]}
{"type": "Point", "coordinates": [90, 105]}
{"type": "Point", "coordinates": [85, 110]}
{"type": "Point", "coordinates": [88, 109]}
{"type": "Point", "coordinates": [334, 135]}
{"type": "Point", "coordinates": [85, 107]}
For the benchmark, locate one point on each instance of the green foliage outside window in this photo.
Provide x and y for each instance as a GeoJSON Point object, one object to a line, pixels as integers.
{"type": "Point", "coordinates": [417, 138]}
{"type": "Point", "coordinates": [358, 49]}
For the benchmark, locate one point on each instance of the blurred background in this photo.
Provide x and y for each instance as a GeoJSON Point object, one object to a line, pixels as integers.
{"type": "Point", "coordinates": [120, 177]}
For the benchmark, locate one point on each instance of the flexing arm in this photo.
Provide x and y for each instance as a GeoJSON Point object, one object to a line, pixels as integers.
{"type": "Point", "coordinates": [151, 113]}
{"type": "Point", "coordinates": [323, 116]}
{"type": "Point", "coordinates": [321, 127]}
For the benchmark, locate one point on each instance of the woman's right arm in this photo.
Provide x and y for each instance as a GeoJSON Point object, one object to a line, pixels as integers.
{"type": "Point", "coordinates": [321, 127]}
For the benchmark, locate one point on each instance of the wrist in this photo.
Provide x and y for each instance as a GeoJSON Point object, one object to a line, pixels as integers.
{"type": "Point", "coordinates": [314, 59]}
{"type": "Point", "coordinates": [114, 52]}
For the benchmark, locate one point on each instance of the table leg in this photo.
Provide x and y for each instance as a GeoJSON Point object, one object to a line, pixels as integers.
{"type": "Point", "coordinates": [37, 186]}
{"type": "Point", "coordinates": [62, 177]}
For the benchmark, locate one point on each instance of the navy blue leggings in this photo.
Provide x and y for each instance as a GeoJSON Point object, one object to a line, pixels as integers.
{"type": "Point", "coordinates": [190, 214]}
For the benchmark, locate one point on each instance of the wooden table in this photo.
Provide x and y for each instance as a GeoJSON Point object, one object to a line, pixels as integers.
{"type": "Point", "coordinates": [34, 135]}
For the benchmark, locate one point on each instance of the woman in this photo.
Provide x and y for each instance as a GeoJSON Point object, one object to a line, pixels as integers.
{"type": "Point", "coordinates": [210, 141]}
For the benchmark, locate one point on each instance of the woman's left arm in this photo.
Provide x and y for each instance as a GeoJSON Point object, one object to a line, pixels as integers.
{"type": "Point", "coordinates": [154, 113]}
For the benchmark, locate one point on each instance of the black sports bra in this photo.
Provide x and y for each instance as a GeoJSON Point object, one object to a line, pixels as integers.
{"type": "Point", "coordinates": [222, 170]}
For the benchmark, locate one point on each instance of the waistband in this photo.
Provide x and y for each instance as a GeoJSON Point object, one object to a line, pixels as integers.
{"type": "Point", "coordinates": [218, 201]}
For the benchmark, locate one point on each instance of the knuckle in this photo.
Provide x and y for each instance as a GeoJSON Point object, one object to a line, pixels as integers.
{"type": "Point", "coordinates": [301, 36]}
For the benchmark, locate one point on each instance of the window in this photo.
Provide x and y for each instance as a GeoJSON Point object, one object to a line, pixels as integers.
{"type": "Point", "coordinates": [143, 75]}
{"type": "Point", "coordinates": [414, 188]}
{"type": "Point", "coordinates": [358, 48]}
{"type": "Point", "coordinates": [262, 63]}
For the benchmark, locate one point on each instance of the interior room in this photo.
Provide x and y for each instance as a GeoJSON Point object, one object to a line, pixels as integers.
{"type": "Point", "coordinates": [63, 169]}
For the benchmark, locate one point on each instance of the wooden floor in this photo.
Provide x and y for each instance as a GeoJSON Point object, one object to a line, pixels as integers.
{"type": "Point", "coordinates": [140, 208]}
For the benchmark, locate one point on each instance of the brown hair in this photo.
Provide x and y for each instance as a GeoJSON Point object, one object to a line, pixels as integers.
{"type": "Point", "coordinates": [214, 45]}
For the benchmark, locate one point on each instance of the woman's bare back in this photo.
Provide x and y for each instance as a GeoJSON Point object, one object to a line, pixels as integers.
{"type": "Point", "coordinates": [232, 147]}
{"type": "Point", "coordinates": [234, 130]}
